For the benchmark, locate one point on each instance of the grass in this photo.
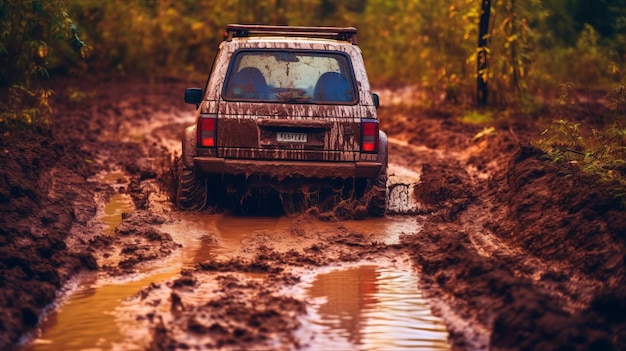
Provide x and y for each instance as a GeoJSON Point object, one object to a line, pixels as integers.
{"type": "Point", "coordinates": [595, 143]}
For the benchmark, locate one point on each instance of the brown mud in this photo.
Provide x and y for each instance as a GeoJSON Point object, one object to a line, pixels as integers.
{"type": "Point", "coordinates": [515, 253]}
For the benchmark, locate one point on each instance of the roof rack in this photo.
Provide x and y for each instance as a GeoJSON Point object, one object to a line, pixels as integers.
{"type": "Point", "coordinates": [337, 33]}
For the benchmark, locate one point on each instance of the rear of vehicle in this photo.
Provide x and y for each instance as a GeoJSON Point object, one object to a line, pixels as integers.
{"type": "Point", "coordinates": [280, 107]}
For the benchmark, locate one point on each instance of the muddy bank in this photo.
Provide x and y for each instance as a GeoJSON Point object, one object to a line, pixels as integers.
{"type": "Point", "coordinates": [549, 216]}
{"type": "Point", "coordinates": [534, 260]}
{"type": "Point", "coordinates": [579, 237]}
{"type": "Point", "coordinates": [50, 193]}
{"type": "Point", "coordinates": [43, 195]}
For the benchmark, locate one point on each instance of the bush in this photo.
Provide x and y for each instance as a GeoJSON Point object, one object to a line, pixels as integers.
{"type": "Point", "coordinates": [597, 144]}
{"type": "Point", "coordinates": [31, 34]}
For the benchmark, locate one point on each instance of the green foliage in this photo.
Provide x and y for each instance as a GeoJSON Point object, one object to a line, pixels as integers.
{"type": "Point", "coordinates": [153, 38]}
{"type": "Point", "coordinates": [588, 63]}
{"type": "Point", "coordinates": [513, 43]}
{"type": "Point", "coordinates": [597, 150]}
{"type": "Point", "coordinates": [76, 96]}
{"type": "Point", "coordinates": [420, 42]}
{"type": "Point", "coordinates": [532, 45]}
{"type": "Point", "coordinates": [486, 131]}
{"type": "Point", "coordinates": [25, 110]}
{"type": "Point", "coordinates": [31, 34]}
{"type": "Point", "coordinates": [477, 117]}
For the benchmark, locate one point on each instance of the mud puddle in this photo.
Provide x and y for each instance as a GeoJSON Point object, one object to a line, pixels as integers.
{"type": "Point", "coordinates": [370, 306]}
{"type": "Point", "coordinates": [96, 315]}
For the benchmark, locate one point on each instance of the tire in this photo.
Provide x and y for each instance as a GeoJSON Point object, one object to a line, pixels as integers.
{"type": "Point", "coordinates": [377, 194]}
{"type": "Point", "coordinates": [191, 191]}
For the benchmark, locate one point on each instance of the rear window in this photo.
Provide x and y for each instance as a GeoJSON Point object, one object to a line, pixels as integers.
{"type": "Point", "coordinates": [291, 76]}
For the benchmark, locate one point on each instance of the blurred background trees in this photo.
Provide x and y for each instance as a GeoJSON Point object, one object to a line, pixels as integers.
{"type": "Point", "coordinates": [533, 46]}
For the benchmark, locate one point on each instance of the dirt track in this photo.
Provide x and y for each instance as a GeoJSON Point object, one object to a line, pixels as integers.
{"type": "Point", "coordinates": [514, 253]}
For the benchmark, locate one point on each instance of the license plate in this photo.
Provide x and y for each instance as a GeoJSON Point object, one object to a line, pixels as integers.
{"type": "Point", "coordinates": [291, 137]}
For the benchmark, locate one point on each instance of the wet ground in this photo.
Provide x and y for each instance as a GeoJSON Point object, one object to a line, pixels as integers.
{"type": "Point", "coordinates": [485, 246]}
{"type": "Point", "coordinates": [361, 305]}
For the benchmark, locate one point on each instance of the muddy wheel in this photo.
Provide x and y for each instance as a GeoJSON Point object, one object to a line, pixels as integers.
{"type": "Point", "coordinates": [377, 194]}
{"type": "Point", "coordinates": [191, 193]}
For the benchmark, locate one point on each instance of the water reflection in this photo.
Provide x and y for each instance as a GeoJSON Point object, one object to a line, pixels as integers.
{"type": "Point", "coordinates": [112, 217]}
{"type": "Point", "coordinates": [91, 320]}
{"type": "Point", "coordinates": [118, 203]}
{"type": "Point", "coordinates": [373, 307]}
{"type": "Point", "coordinates": [88, 320]}
{"type": "Point", "coordinates": [348, 293]}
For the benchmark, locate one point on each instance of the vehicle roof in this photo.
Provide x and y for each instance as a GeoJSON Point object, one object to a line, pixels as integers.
{"type": "Point", "coordinates": [345, 35]}
{"type": "Point", "coordinates": [289, 42]}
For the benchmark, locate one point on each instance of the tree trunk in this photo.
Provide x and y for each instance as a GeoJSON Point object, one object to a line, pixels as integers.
{"type": "Point", "coordinates": [481, 59]}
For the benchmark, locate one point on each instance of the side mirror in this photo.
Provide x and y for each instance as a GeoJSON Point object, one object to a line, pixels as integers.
{"type": "Point", "coordinates": [193, 95]}
{"type": "Point", "coordinates": [376, 100]}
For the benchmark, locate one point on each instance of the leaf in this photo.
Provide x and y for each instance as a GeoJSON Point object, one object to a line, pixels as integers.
{"type": "Point", "coordinates": [43, 51]}
{"type": "Point", "coordinates": [484, 132]}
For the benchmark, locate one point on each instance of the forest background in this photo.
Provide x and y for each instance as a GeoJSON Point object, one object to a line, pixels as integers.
{"type": "Point", "coordinates": [535, 49]}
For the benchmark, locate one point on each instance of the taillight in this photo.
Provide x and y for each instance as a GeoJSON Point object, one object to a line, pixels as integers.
{"type": "Point", "coordinates": [207, 131]}
{"type": "Point", "coordinates": [369, 136]}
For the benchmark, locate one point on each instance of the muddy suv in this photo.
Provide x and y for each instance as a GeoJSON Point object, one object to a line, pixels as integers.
{"type": "Point", "coordinates": [287, 109]}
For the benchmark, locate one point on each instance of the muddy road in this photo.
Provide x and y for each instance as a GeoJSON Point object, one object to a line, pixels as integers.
{"type": "Point", "coordinates": [485, 246]}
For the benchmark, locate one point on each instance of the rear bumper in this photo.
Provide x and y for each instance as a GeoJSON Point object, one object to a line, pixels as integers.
{"type": "Point", "coordinates": [284, 168]}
